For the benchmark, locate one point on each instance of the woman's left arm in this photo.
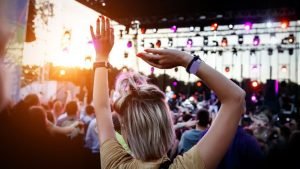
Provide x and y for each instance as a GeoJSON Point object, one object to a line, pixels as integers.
{"type": "Point", "coordinates": [103, 43]}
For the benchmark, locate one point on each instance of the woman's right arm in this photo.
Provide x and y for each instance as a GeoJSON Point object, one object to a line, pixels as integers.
{"type": "Point", "coordinates": [215, 143]}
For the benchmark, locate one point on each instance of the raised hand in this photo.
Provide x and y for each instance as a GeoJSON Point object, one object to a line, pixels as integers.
{"type": "Point", "coordinates": [103, 39]}
{"type": "Point", "coordinates": [166, 58]}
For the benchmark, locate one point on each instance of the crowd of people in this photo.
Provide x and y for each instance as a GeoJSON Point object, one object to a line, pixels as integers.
{"type": "Point", "coordinates": [132, 127]}
{"type": "Point", "coordinates": [64, 134]}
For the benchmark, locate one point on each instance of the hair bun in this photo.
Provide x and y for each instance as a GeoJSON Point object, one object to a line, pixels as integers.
{"type": "Point", "coordinates": [138, 94]}
{"type": "Point", "coordinates": [134, 87]}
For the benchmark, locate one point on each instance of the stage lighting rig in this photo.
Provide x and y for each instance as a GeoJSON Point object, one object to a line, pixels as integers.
{"type": "Point", "coordinates": [291, 39]}
{"type": "Point", "coordinates": [256, 40]}
{"type": "Point", "coordinates": [214, 26]}
{"type": "Point", "coordinates": [248, 26]}
{"type": "Point", "coordinates": [189, 43]}
{"type": "Point", "coordinates": [240, 39]}
{"type": "Point", "coordinates": [224, 42]}
{"type": "Point", "coordinates": [205, 40]}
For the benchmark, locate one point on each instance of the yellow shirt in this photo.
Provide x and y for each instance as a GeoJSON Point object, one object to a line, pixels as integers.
{"type": "Point", "coordinates": [113, 156]}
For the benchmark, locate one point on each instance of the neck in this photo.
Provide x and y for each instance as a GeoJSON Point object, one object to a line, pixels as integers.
{"type": "Point", "coordinates": [200, 128]}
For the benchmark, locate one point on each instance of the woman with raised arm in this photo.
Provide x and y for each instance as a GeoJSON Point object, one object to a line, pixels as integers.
{"type": "Point", "coordinates": [145, 117]}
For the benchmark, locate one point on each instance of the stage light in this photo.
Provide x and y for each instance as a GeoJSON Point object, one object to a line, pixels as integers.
{"type": "Point", "coordinates": [205, 40]}
{"type": "Point", "coordinates": [199, 84]}
{"type": "Point", "coordinates": [121, 34]}
{"type": "Point", "coordinates": [154, 30]}
{"type": "Point", "coordinates": [174, 28]}
{"type": "Point", "coordinates": [192, 28]}
{"type": "Point", "coordinates": [219, 16]}
{"type": "Point", "coordinates": [248, 26]}
{"type": "Point", "coordinates": [62, 72]}
{"type": "Point", "coordinates": [170, 42]}
{"type": "Point", "coordinates": [224, 42]}
{"type": "Point", "coordinates": [174, 83]}
{"type": "Point", "coordinates": [254, 84]}
{"type": "Point", "coordinates": [164, 19]}
{"type": "Point", "coordinates": [220, 52]}
{"type": "Point", "coordinates": [214, 26]}
{"type": "Point", "coordinates": [270, 51]}
{"type": "Point", "coordinates": [181, 18]}
{"type": "Point", "coordinates": [253, 99]}
{"type": "Point", "coordinates": [284, 24]}
{"type": "Point", "coordinates": [151, 45]}
{"type": "Point", "coordinates": [227, 69]}
{"type": "Point", "coordinates": [283, 69]}
{"type": "Point", "coordinates": [240, 39]}
{"type": "Point", "coordinates": [125, 55]}
{"type": "Point", "coordinates": [252, 52]}
{"type": "Point", "coordinates": [215, 43]}
{"type": "Point", "coordinates": [234, 51]}
{"type": "Point", "coordinates": [256, 40]}
{"type": "Point", "coordinates": [158, 44]}
{"type": "Point", "coordinates": [280, 49]}
{"type": "Point", "coordinates": [152, 70]}
{"type": "Point", "coordinates": [202, 17]}
{"type": "Point", "coordinates": [291, 38]}
{"type": "Point", "coordinates": [127, 29]}
{"type": "Point", "coordinates": [129, 44]}
{"type": "Point", "coordinates": [103, 4]}
{"type": "Point", "coordinates": [189, 43]}
{"type": "Point", "coordinates": [269, 24]}
{"type": "Point", "coordinates": [142, 43]}
{"type": "Point", "coordinates": [291, 51]}
{"type": "Point", "coordinates": [230, 26]}
{"type": "Point", "coordinates": [143, 30]}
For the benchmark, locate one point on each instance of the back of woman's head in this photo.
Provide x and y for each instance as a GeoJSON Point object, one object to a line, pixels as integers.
{"type": "Point", "coordinates": [144, 116]}
{"type": "Point", "coordinates": [38, 117]}
{"type": "Point", "coordinates": [124, 79]}
{"type": "Point", "coordinates": [31, 100]}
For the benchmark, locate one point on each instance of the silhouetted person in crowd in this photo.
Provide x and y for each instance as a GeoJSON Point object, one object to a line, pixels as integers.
{"type": "Point", "coordinates": [89, 114]}
{"type": "Point", "coordinates": [190, 137]}
{"type": "Point", "coordinates": [70, 116]}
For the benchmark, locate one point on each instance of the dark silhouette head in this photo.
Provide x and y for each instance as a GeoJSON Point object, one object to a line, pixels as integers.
{"type": "Point", "coordinates": [72, 108]}
{"type": "Point", "coordinates": [203, 117]}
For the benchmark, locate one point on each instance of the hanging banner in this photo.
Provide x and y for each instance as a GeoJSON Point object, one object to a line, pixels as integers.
{"type": "Point", "coordinates": [13, 23]}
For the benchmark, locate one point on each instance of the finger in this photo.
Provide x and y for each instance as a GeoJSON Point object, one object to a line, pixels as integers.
{"type": "Point", "coordinates": [155, 51]}
{"type": "Point", "coordinates": [148, 56]}
{"type": "Point", "coordinates": [107, 28]}
{"type": "Point", "coordinates": [103, 26]}
{"type": "Point", "coordinates": [98, 27]}
{"type": "Point", "coordinates": [92, 32]}
{"type": "Point", "coordinates": [153, 64]}
{"type": "Point", "coordinates": [112, 36]}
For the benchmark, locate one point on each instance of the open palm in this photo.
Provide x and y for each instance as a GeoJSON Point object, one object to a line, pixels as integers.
{"type": "Point", "coordinates": [103, 39]}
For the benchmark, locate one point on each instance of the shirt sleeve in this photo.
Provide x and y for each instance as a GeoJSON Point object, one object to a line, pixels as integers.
{"type": "Point", "coordinates": [189, 160]}
{"type": "Point", "coordinates": [113, 155]}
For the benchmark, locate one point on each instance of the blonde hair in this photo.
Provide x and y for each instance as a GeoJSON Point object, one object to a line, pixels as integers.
{"type": "Point", "coordinates": [144, 116]}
